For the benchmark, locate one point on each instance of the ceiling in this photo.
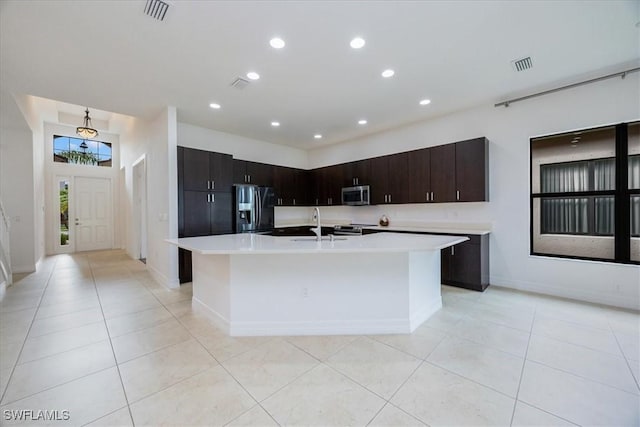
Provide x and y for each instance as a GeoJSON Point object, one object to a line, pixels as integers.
{"type": "Point", "coordinates": [110, 56]}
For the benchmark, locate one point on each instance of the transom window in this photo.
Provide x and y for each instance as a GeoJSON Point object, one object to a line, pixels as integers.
{"type": "Point", "coordinates": [67, 149]}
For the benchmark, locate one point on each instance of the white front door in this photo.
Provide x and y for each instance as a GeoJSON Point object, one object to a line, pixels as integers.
{"type": "Point", "coordinates": [93, 223]}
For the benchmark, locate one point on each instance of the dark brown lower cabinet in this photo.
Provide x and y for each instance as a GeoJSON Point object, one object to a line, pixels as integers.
{"type": "Point", "coordinates": [466, 265]}
{"type": "Point", "coordinates": [184, 266]}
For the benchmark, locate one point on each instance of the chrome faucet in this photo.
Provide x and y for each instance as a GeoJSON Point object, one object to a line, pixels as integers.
{"type": "Point", "coordinates": [318, 228]}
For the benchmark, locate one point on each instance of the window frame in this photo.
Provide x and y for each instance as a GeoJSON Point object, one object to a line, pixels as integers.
{"type": "Point", "coordinates": [97, 164]}
{"type": "Point", "coordinates": [622, 198]}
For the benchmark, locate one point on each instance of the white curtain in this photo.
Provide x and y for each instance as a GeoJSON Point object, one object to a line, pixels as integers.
{"type": "Point", "coordinates": [565, 215]}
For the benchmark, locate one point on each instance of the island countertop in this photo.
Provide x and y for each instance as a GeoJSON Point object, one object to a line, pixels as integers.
{"type": "Point", "coordinates": [254, 244]}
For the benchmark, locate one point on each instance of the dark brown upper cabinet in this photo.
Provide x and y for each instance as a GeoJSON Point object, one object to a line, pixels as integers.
{"type": "Point", "coordinates": [245, 172]}
{"type": "Point", "coordinates": [443, 173]}
{"type": "Point", "coordinates": [291, 186]}
{"type": "Point", "coordinates": [419, 165]}
{"type": "Point", "coordinates": [327, 185]}
{"type": "Point", "coordinates": [389, 179]}
{"type": "Point", "coordinates": [356, 173]}
{"type": "Point", "coordinates": [472, 170]}
{"type": "Point", "coordinates": [206, 171]}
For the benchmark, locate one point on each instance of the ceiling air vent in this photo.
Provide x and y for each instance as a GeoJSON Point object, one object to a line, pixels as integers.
{"type": "Point", "coordinates": [522, 64]}
{"type": "Point", "coordinates": [239, 83]}
{"type": "Point", "coordinates": [156, 9]}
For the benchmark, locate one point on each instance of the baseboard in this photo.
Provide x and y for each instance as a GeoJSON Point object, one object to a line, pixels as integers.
{"type": "Point", "coordinates": [162, 279]}
{"type": "Point", "coordinates": [217, 319]}
{"type": "Point", "coordinates": [421, 315]}
{"type": "Point", "coordinates": [25, 268]}
{"type": "Point", "coordinates": [622, 301]}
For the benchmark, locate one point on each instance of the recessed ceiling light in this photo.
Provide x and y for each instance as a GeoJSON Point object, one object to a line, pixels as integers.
{"type": "Point", "coordinates": [425, 102]}
{"type": "Point", "coordinates": [253, 75]}
{"type": "Point", "coordinates": [317, 136]}
{"type": "Point", "coordinates": [214, 106]}
{"type": "Point", "coordinates": [275, 124]}
{"type": "Point", "coordinates": [357, 43]}
{"type": "Point", "coordinates": [388, 73]}
{"type": "Point", "coordinates": [277, 43]}
{"type": "Point", "coordinates": [362, 122]}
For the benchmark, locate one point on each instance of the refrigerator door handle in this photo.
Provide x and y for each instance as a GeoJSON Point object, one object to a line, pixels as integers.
{"type": "Point", "coordinates": [257, 207]}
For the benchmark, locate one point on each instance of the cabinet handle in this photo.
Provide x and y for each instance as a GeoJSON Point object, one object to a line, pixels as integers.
{"type": "Point", "coordinates": [208, 198]}
{"type": "Point", "coordinates": [453, 250]}
{"type": "Point", "coordinates": [389, 198]}
{"type": "Point", "coordinates": [208, 185]}
{"type": "Point", "coordinates": [353, 181]}
{"type": "Point", "coordinates": [432, 196]}
{"type": "Point", "coordinates": [213, 185]}
{"type": "Point", "coordinates": [427, 196]}
{"type": "Point", "coordinates": [457, 194]}
{"type": "Point", "coordinates": [294, 202]}
{"type": "Point", "coordinates": [249, 178]}
{"type": "Point", "coordinates": [213, 198]}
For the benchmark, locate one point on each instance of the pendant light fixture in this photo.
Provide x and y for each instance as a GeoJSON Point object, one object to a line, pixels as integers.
{"type": "Point", "coordinates": [87, 131]}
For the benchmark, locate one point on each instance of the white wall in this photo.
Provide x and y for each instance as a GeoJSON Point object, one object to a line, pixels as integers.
{"type": "Point", "coordinates": [157, 142]}
{"type": "Point", "coordinates": [16, 190]}
{"type": "Point", "coordinates": [509, 130]}
{"type": "Point", "coordinates": [240, 147]}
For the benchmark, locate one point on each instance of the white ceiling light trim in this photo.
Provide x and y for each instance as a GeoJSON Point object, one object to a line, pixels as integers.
{"type": "Point", "coordinates": [362, 122]}
{"type": "Point", "coordinates": [252, 75]}
{"type": "Point", "coordinates": [277, 43]}
{"type": "Point", "coordinates": [388, 73]}
{"type": "Point", "coordinates": [317, 136]}
{"type": "Point", "coordinates": [214, 106]}
{"type": "Point", "coordinates": [357, 43]}
{"type": "Point", "coordinates": [275, 124]}
{"type": "Point", "coordinates": [425, 102]}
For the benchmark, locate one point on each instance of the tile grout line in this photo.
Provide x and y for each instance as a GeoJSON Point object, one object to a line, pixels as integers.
{"type": "Point", "coordinates": [637, 381]}
{"type": "Point", "coordinates": [124, 391]}
{"type": "Point", "coordinates": [196, 338]}
{"type": "Point", "coordinates": [524, 362]}
{"type": "Point", "coordinates": [24, 342]}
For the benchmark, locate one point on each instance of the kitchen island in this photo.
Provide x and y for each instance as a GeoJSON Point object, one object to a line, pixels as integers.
{"type": "Point", "coordinates": [253, 285]}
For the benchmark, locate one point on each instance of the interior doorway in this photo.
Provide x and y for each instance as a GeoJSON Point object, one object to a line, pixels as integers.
{"type": "Point", "coordinates": [140, 207]}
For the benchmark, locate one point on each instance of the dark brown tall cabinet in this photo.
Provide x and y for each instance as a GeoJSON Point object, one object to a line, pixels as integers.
{"type": "Point", "coordinates": [204, 198]}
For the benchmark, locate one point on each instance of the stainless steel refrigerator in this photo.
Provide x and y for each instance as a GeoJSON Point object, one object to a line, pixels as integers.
{"type": "Point", "coordinates": [253, 208]}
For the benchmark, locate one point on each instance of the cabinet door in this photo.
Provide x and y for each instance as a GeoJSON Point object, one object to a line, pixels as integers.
{"type": "Point", "coordinates": [196, 169]}
{"type": "Point", "coordinates": [443, 173]}
{"type": "Point", "coordinates": [196, 213]}
{"type": "Point", "coordinates": [221, 213]}
{"type": "Point", "coordinates": [471, 170]}
{"type": "Point", "coordinates": [398, 177]}
{"type": "Point", "coordinates": [379, 180]}
{"type": "Point", "coordinates": [466, 265]}
{"type": "Point", "coordinates": [334, 184]}
{"type": "Point", "coordinates": [284, 185]}
{"type": "Point", "coordinates": [221, 171]}
{"type": "Point", "coordinates": [239, 171]}
{"type": "Point", "coordinates": [355, 173]}
{"type": "Point", "coordinates": [446, 265]}
{"type": "Point", "coordinates": [260, 174]}
{"type": "Point", "coordinates": [184, 265]}
{"type": "Point", "coordinates": [419, 176]}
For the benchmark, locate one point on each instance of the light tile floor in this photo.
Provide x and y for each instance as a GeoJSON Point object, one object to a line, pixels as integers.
{"type": "Point", "coordinates": [95, 335]}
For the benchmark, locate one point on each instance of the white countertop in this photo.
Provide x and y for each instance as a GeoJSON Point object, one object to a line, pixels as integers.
{"type": "Point", "coordinates": [254, 244]}
{"type": "Point", "coordinates": [452, 228]}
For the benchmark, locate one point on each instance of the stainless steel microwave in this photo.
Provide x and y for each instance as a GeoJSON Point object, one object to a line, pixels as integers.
{"type": "Point", "coordinates": [356, 196]}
